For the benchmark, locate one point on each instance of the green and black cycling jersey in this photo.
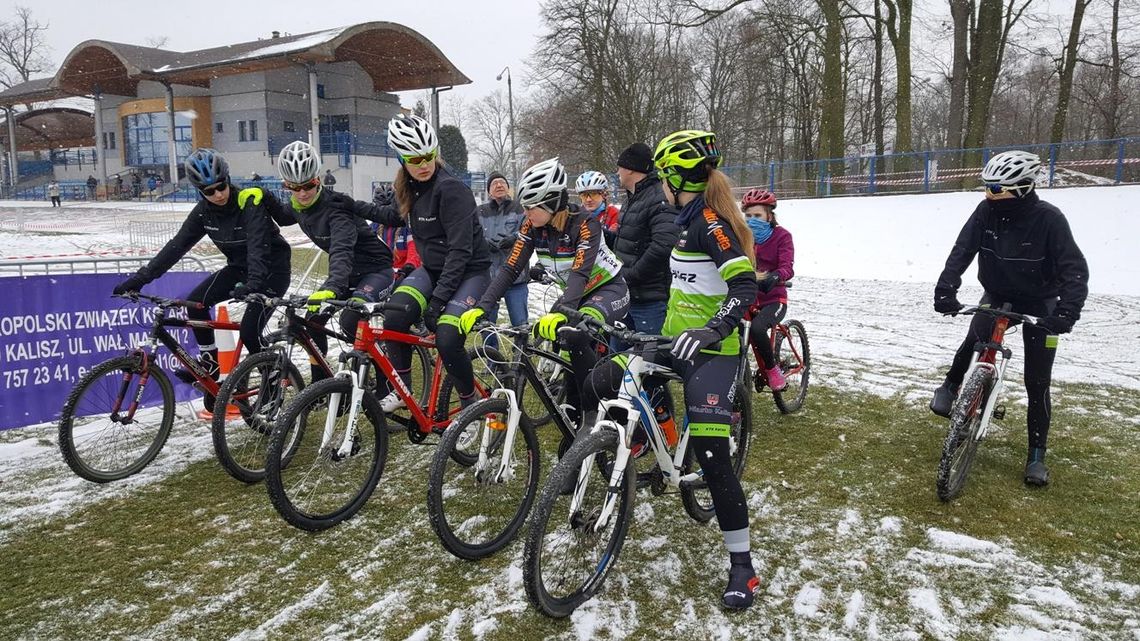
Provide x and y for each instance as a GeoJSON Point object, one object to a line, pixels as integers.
{"type": "Point", "coordinates": [331, 223]}
{"type": "Point", "coordinates": [573, 255]}
{"type": "Point", "coordinates": [713, 280]}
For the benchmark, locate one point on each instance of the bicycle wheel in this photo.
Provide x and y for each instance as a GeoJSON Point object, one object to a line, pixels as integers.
{"type": "Point", "coordinates": [260, 387]}
{"type": "Point", "coordinates": [696, 496]}
{"type": "Point", "coordinates": [96, 444]}
{"type": "Point", "coordinates": [961, 442]}
{"type": "Point", "coordinates": [475, 512]}
{"type": "Point", "coordinates": [569, 554]}
{"type": "Point", "coordinates": [316, 486]}
{"type": "Point", "coordinates": [794, 356]}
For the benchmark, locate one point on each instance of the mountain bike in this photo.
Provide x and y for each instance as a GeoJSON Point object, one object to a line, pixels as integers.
{"type": "Point", "coordinates": [575, 537]}
{"type": "Point", "coordinates": [322, 465]}
{"type": "Point", "coordinates": [120, 413]}
{"type": "Point", "coordinates": [790, 347]}
{"type": "Point", "coordinates": [476, 507]}
{"type": "Point", "coordinates": [977, 401]}
{"type": "Point", "coordinates": [264, 383]}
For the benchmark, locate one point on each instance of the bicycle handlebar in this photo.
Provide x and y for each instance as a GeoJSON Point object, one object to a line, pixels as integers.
{"type": "Point", "coordinates": [970, 310]}
{"type": "Point", "coordinates": [160, 301]}
{"type": "Point", "coordinates": [370, 309]}
{"type": "Point", "coordinates": [625, 335]}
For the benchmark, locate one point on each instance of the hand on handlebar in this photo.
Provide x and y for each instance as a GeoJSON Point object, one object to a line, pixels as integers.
{"type": "Point", "coordinates": [947, 304]}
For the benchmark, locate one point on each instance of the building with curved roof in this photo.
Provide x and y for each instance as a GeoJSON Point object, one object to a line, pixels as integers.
{"type": "Point", "coordinates": [248, 100]}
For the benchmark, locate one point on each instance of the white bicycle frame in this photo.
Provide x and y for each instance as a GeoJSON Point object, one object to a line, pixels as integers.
{"type": "Point", "coordinates": [998, 368]}
{"type": "Point", "coordinates": [633, 399]}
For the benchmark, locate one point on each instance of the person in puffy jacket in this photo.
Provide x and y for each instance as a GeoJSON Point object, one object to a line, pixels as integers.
{"type": "Point", "coordinates": [239, 224]}
{"type": "Point", "coordinates": [775, 255]}
{"type": "Point", "coordinates": [1026, 257]}
{"type": "Point", "coordinates": [645, 233]}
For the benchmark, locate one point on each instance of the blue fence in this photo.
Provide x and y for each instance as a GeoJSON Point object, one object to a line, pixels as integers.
{"type": "Point", "coordinates": [1092, 162]}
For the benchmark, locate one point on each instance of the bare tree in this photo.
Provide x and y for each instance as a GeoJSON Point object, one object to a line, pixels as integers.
{"type": "Point", "coordinates": [960, 13]}
{"type": "Point", "coordinates": [831, 127]}
{"type": "Point", "coordinates": [490, 124]}
{"type": "Point", "coordinates": [158, 42]}
{"type": "Point", "coordinates": [989, 34]}
{"type": "Point", "coordinates": [23, 48]}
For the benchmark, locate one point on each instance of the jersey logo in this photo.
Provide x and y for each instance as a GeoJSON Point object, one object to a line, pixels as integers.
{"type": "Point", "coordinates": [712, 399]}
{"type": "Point", "coordinates": [716, 230]}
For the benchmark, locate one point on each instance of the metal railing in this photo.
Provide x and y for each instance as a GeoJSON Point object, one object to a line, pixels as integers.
{"type": "Point", "coordinates": [92, 265]}
{"type": "Point", "coordinates": [1067, 164]}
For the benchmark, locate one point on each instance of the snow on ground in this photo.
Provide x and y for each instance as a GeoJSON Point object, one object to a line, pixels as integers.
{"type": "Point", "coordinates": [866, 269]}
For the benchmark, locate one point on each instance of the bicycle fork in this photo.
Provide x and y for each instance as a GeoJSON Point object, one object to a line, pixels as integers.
{"type": "Point", "coordinates": [344, 448]}
{"type": "Point", "coordinates": [992, 398]}
{"type": "Point", "coordinates": [505, 471]}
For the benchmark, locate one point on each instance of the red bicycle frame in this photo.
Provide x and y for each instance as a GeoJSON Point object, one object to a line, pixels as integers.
{"type": "Point", "coordinates": [778, 328]}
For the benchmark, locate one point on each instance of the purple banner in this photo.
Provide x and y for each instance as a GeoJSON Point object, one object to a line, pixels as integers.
{"type": "Point", "coordinates": [54, 328]}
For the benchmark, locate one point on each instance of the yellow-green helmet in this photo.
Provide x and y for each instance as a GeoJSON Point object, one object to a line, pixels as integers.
{"type": "Point", "coordinates": [681, 159]}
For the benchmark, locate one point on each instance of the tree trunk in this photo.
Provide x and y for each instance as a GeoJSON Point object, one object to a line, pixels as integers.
{"type": "Point", "coordinates": [899, 31]}
{"type": "Point", "coordinates": [877, 80]}
{"type": "Point", "coordinates": [959, 72]}
{"type": "Point", "coordinates": [833, 98]}
{"type": "Point", "coordinates": [1115, 93]}
{"type": "Point", "coordinates": [1068, 65]}
{"type": "Point", "coordinates": [985, 64]}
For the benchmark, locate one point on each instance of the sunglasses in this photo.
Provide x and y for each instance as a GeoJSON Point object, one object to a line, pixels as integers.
{"type": "Point", "coordinates": [312, 184]}
{"type": "Point", "coordinates": [416, 161]}
{"type": "Point", "coordinates": [589, 194]}
{"type": "Point", "coordinates": [213, 189]}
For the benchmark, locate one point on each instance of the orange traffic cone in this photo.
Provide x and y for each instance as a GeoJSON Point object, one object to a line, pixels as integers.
{"type": "Point", "coordinates": [228, 351]}
{"type": "Point", "coordinates": [227, 345]}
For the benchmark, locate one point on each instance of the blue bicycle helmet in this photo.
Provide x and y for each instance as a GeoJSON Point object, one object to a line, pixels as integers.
{"type": "Point", "coordinates": [206, 167]}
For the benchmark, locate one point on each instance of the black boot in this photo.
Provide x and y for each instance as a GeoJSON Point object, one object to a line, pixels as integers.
{"type": "Point", "coordinates": [1036, 473]}
{"type": "Point", "coordinates": [943, 400]}
{"type": "Point", "coordinates": [742, 582]}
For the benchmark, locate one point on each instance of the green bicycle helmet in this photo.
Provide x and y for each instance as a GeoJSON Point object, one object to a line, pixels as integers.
{"type": "Point", "coordinates": [683, 159]}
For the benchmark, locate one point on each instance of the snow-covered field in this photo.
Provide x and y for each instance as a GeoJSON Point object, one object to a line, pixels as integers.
{"type": "Point", "coordinates": [865, 268]}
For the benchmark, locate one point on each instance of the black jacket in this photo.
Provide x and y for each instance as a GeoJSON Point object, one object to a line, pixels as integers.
{"type": "Point", "coordinates": [446, 230]}
{"type": "Point", "coordinates": [646, 232]}
{"type": "Point", "coordinates": [247, 237]}
{"type": "Point", "coordinates": [353, 249]}
{"type": "Point", "coordinates": [1026, 253]}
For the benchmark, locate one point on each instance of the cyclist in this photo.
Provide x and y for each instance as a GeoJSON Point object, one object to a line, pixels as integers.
{"type": "Point", "coordinates": [713, 283]}
{"type": "Point", "coordinates": [360, 266]}
{"type": "Point", "coordinates": [570, 248]}
{"type": "Point", "coordinates": [775, 254]}
{"type": "Point", "coordinates": [593, 190]}
{"type": "Point", "coordinates": [257, 256]}
{"type": "Point", "coordinates": [440, 209]}
{"type": "Point", "coordinates": [1027, 257]}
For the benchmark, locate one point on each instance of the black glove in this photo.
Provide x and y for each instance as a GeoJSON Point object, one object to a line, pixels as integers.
{"type": "Point", "coordinates": [691, 341]}
{"type": "Point", "coordinates": [132, 284]}
{"type": "Point", "coordinates": [537, 273]}
{"type": "Point", "coordinates": [384, 196]}
{"type": "Point", "coordinates": [947, 304]}
{"type": "Point", "coordinates": [404, 271]}
{"type": "Point", "coordinates": [1059, 324]}
{"type": "Point", "coordinates": [507, 242]}
{"type": "Point", "coordinates": [241, 290]}
{"type": "Point", "coordinates": [433, 312]}
{"type": "Point", "coordinates": [769, 282]}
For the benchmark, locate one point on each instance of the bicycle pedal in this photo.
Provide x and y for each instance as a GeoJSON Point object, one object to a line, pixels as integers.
{"type": "Point", "coordinates": [999, 412]}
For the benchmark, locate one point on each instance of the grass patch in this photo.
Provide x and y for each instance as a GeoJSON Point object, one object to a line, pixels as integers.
{"type": "Point", "coordinates": [842, 502]}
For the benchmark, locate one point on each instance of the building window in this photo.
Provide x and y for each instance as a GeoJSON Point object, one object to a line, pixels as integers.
{"type": "Point", "coordinates": [219, 128]}
{"type": "Point", "coordinates": [145, 138]}
{"type": "Point", "coordinates": [288, 126]}
{"type": "Point", "coordinates": [320, 90]}
{"type": "Point", "coordinates": [108, 140]}
{"type": "Point", "coordinates": [247, 130]}
{"type": "Point", "coordinates": [241, 131]}
{"type": "Point", "coordinates": [253, 130]}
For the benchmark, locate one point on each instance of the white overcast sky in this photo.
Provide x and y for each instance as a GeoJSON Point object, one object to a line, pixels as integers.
{"type": "Point", "coordinates": [480, 37]}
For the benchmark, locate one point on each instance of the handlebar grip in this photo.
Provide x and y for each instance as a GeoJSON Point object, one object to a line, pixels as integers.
{"type": "Point", "coordinates": [389, 306]}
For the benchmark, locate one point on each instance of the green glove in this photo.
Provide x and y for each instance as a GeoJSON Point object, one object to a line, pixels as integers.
{"type": "Point", "coordinates": [318, 297]}
{"type": "Point", "coordinates": [468, 319]}
{"type": "Point", "coordinates": [547, 326]}
{"type": "Point", "coordinates": [250, 192]}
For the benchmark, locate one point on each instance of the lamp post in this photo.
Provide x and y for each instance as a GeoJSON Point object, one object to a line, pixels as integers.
{"type": "Point", "coordinates": [511, 107]}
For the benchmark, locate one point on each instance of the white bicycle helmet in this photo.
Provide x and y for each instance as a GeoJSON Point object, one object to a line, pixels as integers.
{"type": "Point", "coordinates": [1012, 169]}
{"type": "Point", "coordinates": [592, 181]}
{"type": "Point", "coordinates": [543, 185]}
{"type": "Point", "coordinates": [299, 163]}
{"type": "Point", "coordinates": [411, 136]}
